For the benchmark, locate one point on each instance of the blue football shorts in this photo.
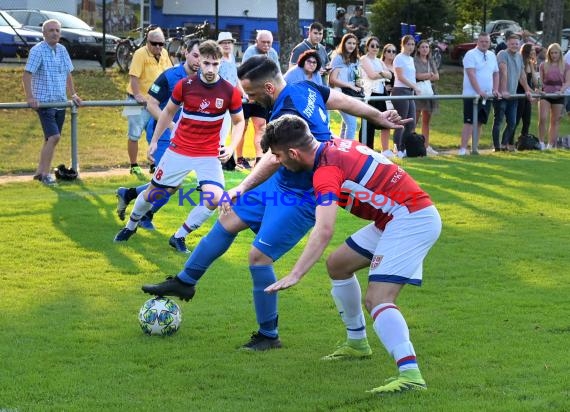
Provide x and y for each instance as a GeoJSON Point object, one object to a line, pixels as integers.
{"type": "Point", "coordinates": [279, 218]}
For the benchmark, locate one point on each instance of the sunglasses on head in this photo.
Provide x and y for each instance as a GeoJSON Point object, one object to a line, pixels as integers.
{"type": "Point", "coordinates": [156, 43]}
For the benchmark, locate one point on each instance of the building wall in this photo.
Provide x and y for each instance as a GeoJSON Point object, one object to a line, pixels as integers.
{"type": "Point", "coordinates": [242, 18]}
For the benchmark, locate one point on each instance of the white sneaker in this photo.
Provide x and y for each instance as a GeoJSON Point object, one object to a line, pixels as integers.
{"type": "Point", "coordinates": [542, 146]}
{"type": "Point", "coordinates": [403, 154]}
{"type": "Point", "coordinates": [431, 151]}
{"type": "Point", "coordinates": [462, 152]}
{"type": "Point", "coordinates": [388, 153]}
{"type": "Point", "coordinates": [548, 146]}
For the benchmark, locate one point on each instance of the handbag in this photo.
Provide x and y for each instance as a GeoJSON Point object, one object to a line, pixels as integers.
{"type": "Point", "coordinates": [352, 93]}
{"type": "Point", "coordinates": [425, 88]}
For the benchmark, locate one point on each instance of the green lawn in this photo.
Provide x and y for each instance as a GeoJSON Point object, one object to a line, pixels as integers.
{"type": "Point", "coordinates": [490, 325]}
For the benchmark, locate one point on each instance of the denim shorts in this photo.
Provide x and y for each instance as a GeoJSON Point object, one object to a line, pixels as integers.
{"type": "Point", "coordinates": [52, 121]}
{"type": "Point", "coordinates": [137, 123]}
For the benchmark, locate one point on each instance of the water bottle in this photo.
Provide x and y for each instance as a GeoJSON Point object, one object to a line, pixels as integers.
{"type": "Point", "coordinates": [357, 78]}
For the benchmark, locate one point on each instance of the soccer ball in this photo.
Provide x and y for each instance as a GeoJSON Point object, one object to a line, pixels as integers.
{"type": "Point", "coordinates": [160, 316]}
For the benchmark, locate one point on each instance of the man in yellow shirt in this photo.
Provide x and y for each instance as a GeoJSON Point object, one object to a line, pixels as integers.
{"type": "Point", "coordinates": [147, 64]}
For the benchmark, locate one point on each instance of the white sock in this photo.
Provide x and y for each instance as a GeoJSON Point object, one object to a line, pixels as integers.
{"type": "Point", "coordinates": [197, 216]}
{"type": "Point", "coordinates": [139, 210]}
{"type": "Point", "coordinates": [348, 299]}
{"type": "Point", "coordinates": [391, 328]}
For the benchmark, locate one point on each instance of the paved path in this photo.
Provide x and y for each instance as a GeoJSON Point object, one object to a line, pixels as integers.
{"type": "Point", "coordinates": [28, 177]}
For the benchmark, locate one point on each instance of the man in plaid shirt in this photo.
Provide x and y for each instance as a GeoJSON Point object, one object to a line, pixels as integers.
{"type": "Point", "coordinates": [46, 77]}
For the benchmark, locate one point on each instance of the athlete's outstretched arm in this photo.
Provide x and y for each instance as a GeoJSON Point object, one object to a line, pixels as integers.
{"type": "Point", "coordinates": [262, 171]}
{"type": "Point", "coordinates": [325, 218]}
{"type": "Point", "coordinates": [389, 119]}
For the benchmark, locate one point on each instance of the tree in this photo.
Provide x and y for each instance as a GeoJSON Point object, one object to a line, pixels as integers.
{"type": "Point", "coordinates": [288, 24]}
{"type": "Point", "coordinates": [426, 15]}
{"type": "Point", "coordinates": [320, 11]}
{"type": "Point", "coordinates": [553, 19]}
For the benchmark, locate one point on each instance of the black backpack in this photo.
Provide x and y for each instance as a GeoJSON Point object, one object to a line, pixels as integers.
{"type": "Point", "coordinates": [63, 173]}
{"type": "Point", "coordinates": [414, 144]}
{"type": "Point", "coordinates": [528, 142]}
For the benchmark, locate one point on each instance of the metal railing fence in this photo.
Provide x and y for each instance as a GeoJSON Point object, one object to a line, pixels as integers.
{"type": "Point", "coordinates": [114, 103]}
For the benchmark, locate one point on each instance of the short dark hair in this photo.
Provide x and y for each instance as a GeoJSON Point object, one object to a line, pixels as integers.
{"type": "Point", "coordinates": [258, 68]}
{"type": "Point", "coordinates": [189, 44]}
{"type": "Point", "coordinates": [286, 131]}
{"type": "Point", "coordinates": [309, 53]}
{"type": "Point", "coordinates": [210, 48]}
{"type": "Point", "coordinates": [316, 26]}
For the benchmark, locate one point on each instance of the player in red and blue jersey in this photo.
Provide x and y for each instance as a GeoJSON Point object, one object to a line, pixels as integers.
{"type": "Point", "coordinates": [281, 209]}
{"type": "Point", "coordinates": [204, 97]}
{"type": "Point", "coordinates": [159, 94]}
{"type": "Point", "coordinates": [405, 225]}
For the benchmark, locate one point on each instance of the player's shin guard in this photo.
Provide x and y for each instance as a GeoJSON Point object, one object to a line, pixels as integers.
{"type": "Point", "coordinates": [211, 247]}
{"type": "Point", "coordinates": [139, 210]}
{"type": "Point", "coordinates": [265, 303]}
{"type": "Point", "coordinates": [197, 216]}
{"type": "Point", "coordinates": [347, 296]}
{"type": "Point", "coordinates": [391, 328]}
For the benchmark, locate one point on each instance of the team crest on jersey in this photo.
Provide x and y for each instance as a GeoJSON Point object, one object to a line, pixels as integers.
{"type": "Point", "coordinates": [219, 103]}
{"type": "Point", "coordinates": [204, 105]}
{"type": "Point", "coordinates": [376, 259]}
{"type": "Point", "coordinates": [155, 88]}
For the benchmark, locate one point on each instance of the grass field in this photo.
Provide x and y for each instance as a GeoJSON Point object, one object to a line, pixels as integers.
{"type": "Point", "coordinates": [490, 325]}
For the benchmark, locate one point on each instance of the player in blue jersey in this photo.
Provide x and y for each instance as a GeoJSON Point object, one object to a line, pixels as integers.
{"type": "Point", "coordinates": [281, 209]}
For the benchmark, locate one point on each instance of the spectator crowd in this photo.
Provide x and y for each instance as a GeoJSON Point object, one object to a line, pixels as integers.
{"type": "Point", "coordinates": [362, 67]}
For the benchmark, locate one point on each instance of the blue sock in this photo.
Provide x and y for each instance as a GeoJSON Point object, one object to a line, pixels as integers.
{"type": "Point", "coordinates": [265, 303]}
{"type": "Point", "coordinates": [211, 247]}
{"type": "Point", "coordinates": [142, 188]}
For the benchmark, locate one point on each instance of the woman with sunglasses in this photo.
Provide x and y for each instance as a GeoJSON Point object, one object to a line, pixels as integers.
{"type": "Point", "coordinates": [374, 76]}
{"type": "Point", "coordinates": [345, 75]}
{"type": "Point", "coordinates": [555, 77]}
{"type": "Point", "coordinates": [307, 68]}
{"type": "Point", "coordinates": [425, 70]}
{"type": "Point", "coordinates": [405, 85]}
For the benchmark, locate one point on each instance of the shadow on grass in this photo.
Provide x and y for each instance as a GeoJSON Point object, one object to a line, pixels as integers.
{"type": "Point", "coordinates": [86, 217]}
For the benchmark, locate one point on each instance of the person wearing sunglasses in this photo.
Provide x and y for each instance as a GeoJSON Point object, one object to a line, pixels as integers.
{"type": "Point", "coordinates": [307, 68]}
{"type": "Point", "coordinates": [148, 63]}
{"type": "Point", "coordinates": [374, 76]}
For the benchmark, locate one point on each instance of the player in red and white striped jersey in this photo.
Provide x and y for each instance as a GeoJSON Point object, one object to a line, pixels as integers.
{"type": "Point", "coordinates": [405, 226]}
{"type": "Point", "coordinates": [204, 97]}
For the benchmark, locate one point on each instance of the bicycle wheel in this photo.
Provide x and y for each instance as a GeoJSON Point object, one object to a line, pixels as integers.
{"type": "Point", "coordinates": [174, 48]}
{"type": "Point", "coordinates": [124, 56]}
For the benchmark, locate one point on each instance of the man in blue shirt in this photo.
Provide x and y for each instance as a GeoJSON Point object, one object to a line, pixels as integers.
{"type": "Point", "coordinates": [281, 209]}
{"type": "Point", "coordinates": [46, 76]}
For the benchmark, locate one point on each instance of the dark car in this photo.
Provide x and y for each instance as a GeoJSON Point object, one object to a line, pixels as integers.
{"type": "Point", "coordinates": [80, 40]}
{"type": "Point", "coordinates": [14, 40]}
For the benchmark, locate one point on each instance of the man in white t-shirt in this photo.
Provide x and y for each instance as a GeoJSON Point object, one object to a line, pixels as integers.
{"type": "Point", "coordinates": [480, 77]}
{"type": "Point", "coordinates": [567, 99]}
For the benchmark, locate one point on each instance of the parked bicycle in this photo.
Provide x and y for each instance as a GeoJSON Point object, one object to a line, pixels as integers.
{"type": "Point", "coordinates": [174, 44]}
{"type": "Point", "coordinates": [127, 47]}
